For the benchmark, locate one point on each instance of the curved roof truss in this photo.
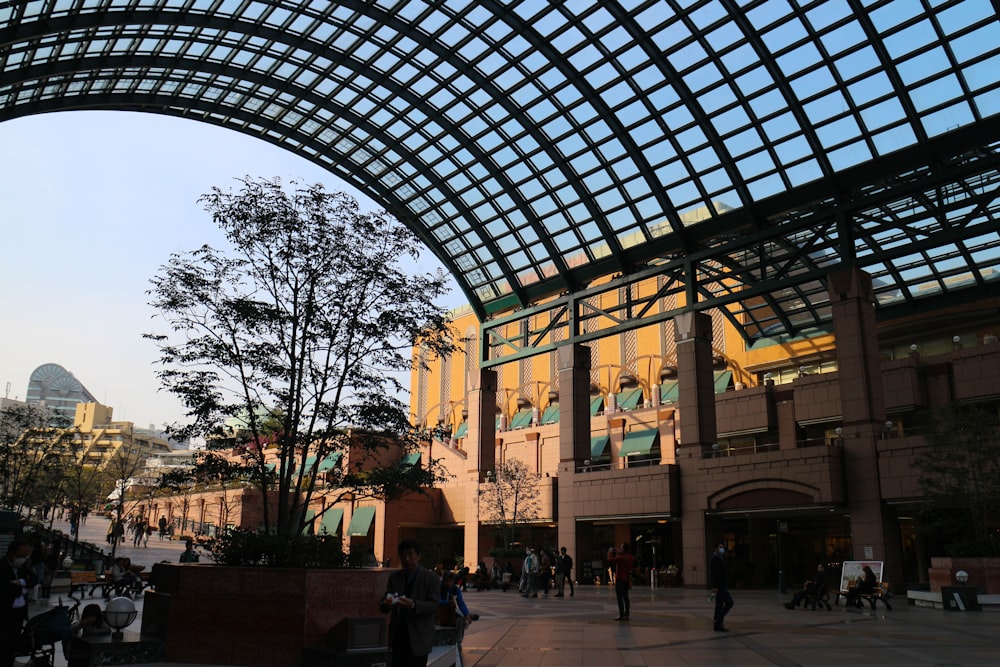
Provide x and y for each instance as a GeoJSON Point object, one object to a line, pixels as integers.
{"type": "Point", "coordinates": [735, 150]}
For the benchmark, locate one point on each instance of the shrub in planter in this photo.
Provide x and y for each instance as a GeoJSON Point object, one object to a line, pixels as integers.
{"type": "Point", "coordinates": [508, 553]}
{"type": "Point", "coordinates": [240, 546]}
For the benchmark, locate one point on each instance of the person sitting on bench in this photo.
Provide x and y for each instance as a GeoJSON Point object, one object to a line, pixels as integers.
{"type": "Point", "coordinates": [126, 581]}
{"type": "Point", "coordinates": [865, 586]}
{"type": "Point", "coordinates": [811, 588]}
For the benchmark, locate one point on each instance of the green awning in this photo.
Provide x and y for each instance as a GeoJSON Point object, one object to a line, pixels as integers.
{"type": "Point", "coordinates": [596, 403]}
{"type": "Point", "coordinates": [638, 443]}
{"type": "Point", "coordinates": [521, 420]}
{"type": "Point", "coordinates": [463, 430]}
{"type": "Point", "coordinates": [599, 446]}
{"type": "Point", "coordinates": [551, 414]}
{"type": "Point", "coordinates": [628, 400]}
{"type": "Point", "coordinates": [669, 392]}
{"type": "Point", "coordinates": [361, 521]}
{"type": "Point", "coordinates": [308, 464]}
{"type": "Point", "coordinates": [330, 461]}
{"type": "Point", "coordinates": [331, 520]}
{"type": "Point", "coordinates": [307, 529]}
{"type": "Point", "coordinates": [722, 380]}
{"type": "Point", "coordinates": [411, 459]}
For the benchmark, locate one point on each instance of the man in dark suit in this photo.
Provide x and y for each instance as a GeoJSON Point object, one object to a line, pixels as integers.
{"type": "Point", "coordinates": [564, 572]}
{"type": "Point", "coordinates": [16, 579]}
{"type": "Point", "coordinates": [411, 596]}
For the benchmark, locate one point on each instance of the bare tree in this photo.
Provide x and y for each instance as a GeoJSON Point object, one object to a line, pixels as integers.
{"type": "Point", "coordinates": [32, 444]}
{"type": "Point", "coordinates": [509, 498]}
{"type": "Point", "coordinates": [121, 468]}
{"type": "Point", "coordinates": [297, 333]}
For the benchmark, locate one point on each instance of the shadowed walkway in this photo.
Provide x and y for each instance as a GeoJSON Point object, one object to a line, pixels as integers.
{"type": "Point", "coordinates": [674, 627]}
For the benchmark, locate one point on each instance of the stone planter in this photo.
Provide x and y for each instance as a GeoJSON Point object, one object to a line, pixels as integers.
{"type": "Point", "coordinates": [253, 616]}
{"type": "Point", "coordinates": [984, 573]}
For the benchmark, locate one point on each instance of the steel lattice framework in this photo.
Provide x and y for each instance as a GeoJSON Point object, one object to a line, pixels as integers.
{"type": "Point", "coordinates": [731, 151]}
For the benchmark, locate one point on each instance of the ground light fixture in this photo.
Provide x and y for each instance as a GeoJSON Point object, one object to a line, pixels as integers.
{"type": "Point", "coordinates": [119, 614]}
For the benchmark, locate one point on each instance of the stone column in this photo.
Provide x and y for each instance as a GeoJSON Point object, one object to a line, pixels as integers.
{"type": "Point", "coordinates": [696, 407]}
{"type": "Point", "coordinates": [482, 453]}
{"type": "Point", "coordinates": [873, 527]}
{"type": "Point", "coordinates": [574, 435]}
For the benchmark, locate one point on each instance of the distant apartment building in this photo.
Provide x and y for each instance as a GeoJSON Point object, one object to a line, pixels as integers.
{"type": "Point", "coordinates": [100, 437]}
{"type": "Point", "coordinates": [6, 403]}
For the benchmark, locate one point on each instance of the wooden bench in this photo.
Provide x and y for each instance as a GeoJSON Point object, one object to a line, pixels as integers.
{"type": "Point", "coordinates": [852, 571]}
{"type": "Point", "coordinates": [81, 580]}
{"type": "Point", "coordinates": [880, 594]}
{"type": "Point", "coordinates": [819, 598]}
{"type": "Point", "coordinates": [123, 589]}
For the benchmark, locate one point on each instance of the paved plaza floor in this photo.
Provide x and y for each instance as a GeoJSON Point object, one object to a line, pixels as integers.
{"type": "Point", "coordinates": [673, 626]}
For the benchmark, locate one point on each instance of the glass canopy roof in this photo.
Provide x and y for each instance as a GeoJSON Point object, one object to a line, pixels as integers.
{"type": "Point", "coordinates": [740, 148]}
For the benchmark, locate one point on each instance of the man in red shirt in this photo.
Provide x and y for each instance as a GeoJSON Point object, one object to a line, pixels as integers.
{"type": "Point", "coordinates": [622, 562]}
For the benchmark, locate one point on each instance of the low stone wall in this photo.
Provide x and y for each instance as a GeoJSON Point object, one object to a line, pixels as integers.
{"type": "Point", "coordinates": [984, 573]}
{"type": "Point", "coordinates": [254, 616]}
{"type": "Point", "coordinates": [933, 600]}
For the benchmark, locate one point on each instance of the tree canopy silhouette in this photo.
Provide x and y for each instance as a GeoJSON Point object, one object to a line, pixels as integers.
{"type": "Point", "coordinates": [285, 346]}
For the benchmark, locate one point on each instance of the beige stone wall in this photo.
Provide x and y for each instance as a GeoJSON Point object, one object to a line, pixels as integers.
{"type": "Point", "coordinates": [744, 411]}
{"type": "Point", "coordinates": [616, 493]}
{"type": "Point", "coordinates": [817, 398]}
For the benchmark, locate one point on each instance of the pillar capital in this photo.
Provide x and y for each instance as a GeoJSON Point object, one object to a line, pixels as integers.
{"type": "Point", "coordinates": [691, 326]}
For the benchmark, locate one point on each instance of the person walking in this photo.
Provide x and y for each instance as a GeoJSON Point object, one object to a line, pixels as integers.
{"type": "Point", "coordinates": [544, 572]}
{"type": "Point", "coordinates": [411, 598]}
{"type": "Point", "coordinates": [451, 594]}
{"type": "Point", "coordinates": [528, 574]}
{"type": "Point", "coordinates": [74, 521]}
{"type": "Point", "coordinates": [622, 562]}
{"type": "Point", "coordinates": [564, 573]}
{"type": "Point", "coordinates": [720, 587]}
{"type": "Point", "coordinates": [138, 530]}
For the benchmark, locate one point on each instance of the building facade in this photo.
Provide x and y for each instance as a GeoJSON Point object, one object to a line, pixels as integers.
{"type": "Point", "coordinates": [99, 437]}
{"type": "Point", "coordinates": [673, 437]}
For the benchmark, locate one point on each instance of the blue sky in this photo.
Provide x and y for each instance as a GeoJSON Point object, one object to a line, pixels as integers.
{"type": "Point", "coordinates": [93, 203]}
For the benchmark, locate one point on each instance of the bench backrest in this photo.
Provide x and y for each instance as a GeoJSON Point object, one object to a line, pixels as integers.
{"type": "Point", "coordinates": [83, 577]}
